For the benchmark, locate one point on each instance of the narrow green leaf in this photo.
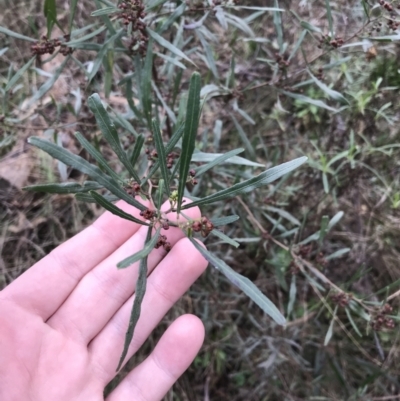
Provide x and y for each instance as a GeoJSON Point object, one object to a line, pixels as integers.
{"type": "Point", "coordinates": [160, 192]}
{"type": "Point", "coordinates": [129, 98]}
{"type": "Point", "coordinates": [170, 146]}
{"type": "Point", "coordinates": [338, 254]}
{"type": "Point", "coordinates": [243, 137]}
{"type": "Point", "coordinates": [145, 83]}
{"type": "Point", "coordinates": [201, 170]}
{"type": "Point", "coordinates": [330, 92]}
{"type": "Point", "coordinates": [50, 12]}
{"type": "Point", "coordinates": [162, 157]}
{"type": "Point", "coordinates": [329, 333]}
{"type": "Point", "coordinates": [16, 35]}
{"type": "Point", "coordinates": [225, 238]}
{"type": "Point", "coordinates": [19, 74]}
{"type": "Point", "coordinates": [243, 283]}
{"type": "Point", "coordinates": [105, 11]}
{"type": "Point", "coordinates": [169, 46]}
{"type": "Point", "coordinates": [278, 26]}
{"type": "Point", "coordinates": [330, 19]}
{"type": "Point", "coordinates": [352, 322]}
{"type": "Point", "coordinates": [324, 229]}
{"type": "Point", "coordinates": [86, 37]}
{"type": "Point", "coordinates": [64, 188]}
{"type": "Point", "coordinates": [102, 201]}
{"type": "Point", "coordinates": [85, 197]}
{"type": "Point", "coordinates": [171, 60]}
{"type": "Point", "coordinates": [260, 180]}
{"type": "Point", "coordinates": [97, 156]}
{"type": "Point", "coordinates": [190, 132]}
{"type": "Point", "coordinates": [201, 157]}
{"type": "Point", "coordinates": [292, 295]}
{"type": "Point", "coordinates": [309, 27]}
{"type": "Point", "coordinates": [298, 44]}
{"type": "Point", "coordinates": [136, 150]}
{"type": "Point", "coordinates": [85, 167]}
{"type": "Point", "coordinates": [335, 219]}
{"type": "Point", "coordinates": [72, 14]}
{"type": "Point", "coordinates": [283, 213]}
{"type": "Point", "coordinates": [223, 221]}
{"type": "Point", "coordinates": [101, 54]}
{"type": "Point", "coordinates": [141, 254]}
{"type": "Point", "coordinates": [306, 99]}
{"type": "Point", "coordinates": [137, 303]}
{"type": "Point", "coordinates": [110, 132]}
{"type": "Point", "coordinates": [49, 83]}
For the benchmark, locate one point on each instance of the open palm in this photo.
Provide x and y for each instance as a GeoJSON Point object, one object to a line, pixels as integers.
{"type": "Point", "coordinates": [63, 322]}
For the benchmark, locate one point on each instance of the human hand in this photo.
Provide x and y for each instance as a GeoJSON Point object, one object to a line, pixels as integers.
{"type": "Point", "coordinates": [63, 322]}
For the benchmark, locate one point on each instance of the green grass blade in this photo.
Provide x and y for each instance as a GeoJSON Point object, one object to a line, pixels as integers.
{"type": "Point", "coordinates": [97, 156]}
{"type": "Point", "coordinates": [110, 132]}
{"type": "Point", "coordinates": [141, 254]}
{"type": "Point", "coordinates": [137, 303]}
{"type": "Point", "coordinates": [160, 192]}
{"type": "Point", "coordinates": [260, 180]}
{"type": "Point", "coordinates": [85, 197]}
{"type": "Point", "coordinates": [19, 74]}
{"type": "Point", "coordinates": [85, 167]}
{"type": "Point", "coordinates": [162, 156]}
{"type": "Point", "coordinates": [65, 187]}
{"type": "Point", "coordinates": [102, 201]}
{"type": "Point", "coordinates": [243, 283]}
{"type": "Point", "coordinates": [189, 135]}
{"type": "Point", "coordinates": [201, 170]}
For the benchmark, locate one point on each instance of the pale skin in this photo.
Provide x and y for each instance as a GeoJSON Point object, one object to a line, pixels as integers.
{"type": "Point", "coordinates": [63, 322]}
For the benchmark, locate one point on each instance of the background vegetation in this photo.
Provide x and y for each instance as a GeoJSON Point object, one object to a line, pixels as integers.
{"type": "Point", "coordinates": [283, 79]}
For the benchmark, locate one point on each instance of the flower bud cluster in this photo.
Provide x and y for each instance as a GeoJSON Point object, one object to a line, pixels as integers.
{"type": "Point", "coordinates": [148, 214]}
{"type": "Point", "coordinates": [342, 299]}
{"type": "Point", "coordinates": [327, 40]}
{"type": "Point", "coordinates": [204, 226]}
{"type": "Point", "coordinates": [382, 321]}
{"type": "Point", "coordinates": [170, 159]}
{"type": "Point", "coordinates": [192, 174]}
{"type": "Point", "coordinates": [283, 64]}
{"type": "Point", "coordinates": [133, 188]}
{"type": "Point", "coordinates": [133, 13]}
{"type": "Point", "coordinates": [162, 242]}
{"type": "Point", "coordinates": [48, 46]}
